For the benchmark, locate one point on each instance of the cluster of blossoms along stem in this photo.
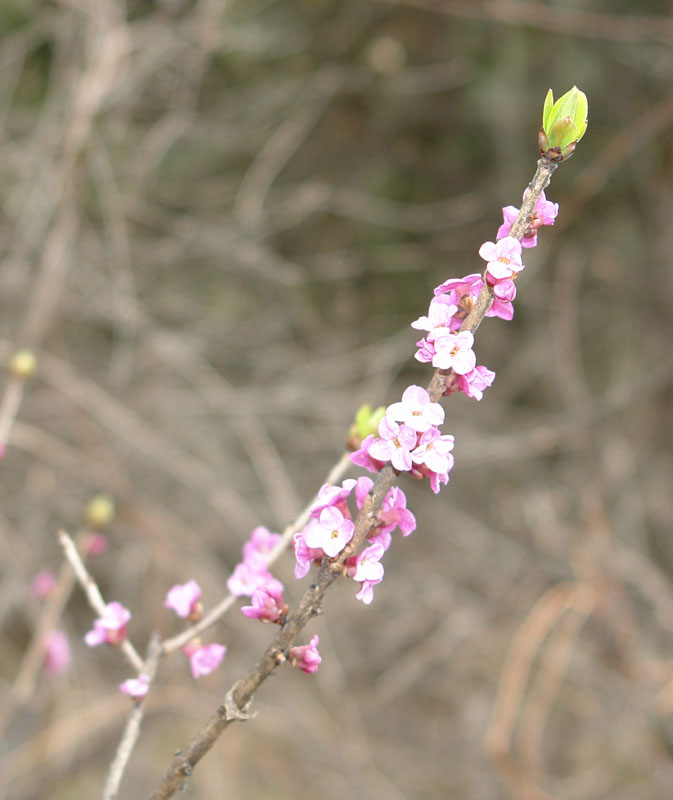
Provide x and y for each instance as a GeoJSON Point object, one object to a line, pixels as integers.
{"type": "Point", "coordinates": [409, 435]}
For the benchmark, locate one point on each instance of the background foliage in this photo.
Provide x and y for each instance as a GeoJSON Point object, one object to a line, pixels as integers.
{"type": "Point", "coordinates": [218, 220]}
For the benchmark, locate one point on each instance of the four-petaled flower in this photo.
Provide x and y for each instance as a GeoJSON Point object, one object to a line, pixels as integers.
{"type": "Point", "coordinates": [394, 444]}
{"type": "Point", "coordinates": [503, 257]}
{"type": "Point", "coordinates": [416, 410]}
{"type": "Point", "coordinates": [331, 532]}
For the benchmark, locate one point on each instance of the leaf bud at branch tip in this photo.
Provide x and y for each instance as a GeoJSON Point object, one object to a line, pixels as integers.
{"type": "Point", "coordinates": [100, 511]}
{"type": "Point", "coordinates": [564, 123]}
{"type": "Point", "coordinates": [23, 364]}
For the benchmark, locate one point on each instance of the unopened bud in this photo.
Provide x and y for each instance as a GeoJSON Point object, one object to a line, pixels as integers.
{"type": "Point", "coordinates": [100, 511]}
{"type": "Point", "coordinates": [23, 364]}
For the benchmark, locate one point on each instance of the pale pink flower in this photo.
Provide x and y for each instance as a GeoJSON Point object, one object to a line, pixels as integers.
{"type": "Point", "coordinates": [367, 569]}
{"type": "Point", "coordinates": [111, 627]}
{"type": "Point", "coordinates": [331, 532]}
{"type": "Point", "coordinates": [440, 315]}
{"type": "Point", "coordinates": [361, 457]}
{"type": "Point", "coordinates": [43, 583]}
{"type": "Point", "coordinates": [306, 656]}
{"type": "Point", "coordinates": [394, 444]}
{"type": "Point", "coordinates": [56, 652]}
{"type": "Point", "coordinates": [267, 605]}
{"type": "Point", "coordinates": [306, 556]}
{"type": "Point", "coordinates": [257, 549]}
{"type": "Point", "coordinates": [503, 257]}
{"type": "Point", "coordinates": [203, 659]}
{"type": "Point", "coordinates": [416, 410]}
{"type": "Point", "coordinates": [434, 451]}
{"type": "Point", "coordinates": [329, 495]}
{"type": "Point", "coordinates": [544, 213]}
{"type": "Point", "coordinates": [454, 351]}
{"type": "Point", "coordinates": [474, 383]}
{"type": "Point", "coordinates": [393, 512]}
{"type": "Point", "coordinates": [184, 600]}
{"type": "Point", "coordinates": [243, 580]}
{"type": "Point", "coordinates": [136, 688]}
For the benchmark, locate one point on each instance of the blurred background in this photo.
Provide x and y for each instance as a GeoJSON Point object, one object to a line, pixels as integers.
{"type": "Point", "coordinates": [218, 220]}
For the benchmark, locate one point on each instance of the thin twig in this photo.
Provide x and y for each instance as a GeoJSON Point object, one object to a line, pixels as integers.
{"type": "Point", "coordinates": [93, 594]}
{"type": "Point", "coordinates": [132, 729]}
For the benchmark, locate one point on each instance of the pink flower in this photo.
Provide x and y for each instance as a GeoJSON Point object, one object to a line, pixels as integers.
{"type": "Point", "coordinates": [361, 457]}
{"type": "Point", "coordinates": [367, 569]}
{"type": "Point", "coordinates": [416, 410]}
{"type": "Point", "coordinates": [203, 659]}
{"type": "Point", "coordinates": [184, 600]}
{"type": "Point", "coordinates": [473, 384]}
{"type": "Point", "coordinates": [503, 257]}
{"type": "Point", "coordinates": [394, 445]}
{"type": "Point", "coordinates": [43, 583]}
{"type": "Point", "coordinates": [332, 496]}
{"type": "Point", "coordinates": [306, 556]}
{"type": "Point", "coordinates": [258, 547]}
{"type": "Point", "coordinates": [267, 606]}
{"type": "Point", "coordinates": [454, 351]}
{"type": "Point", "coordinates": [111, 627]}
{"type": "Point", "coordinates": [434, 451]}
{"type": "Point", "coordinates": [440, 315]}
{"type": "Point", "coordinates": [544, 213]}
{"type": "Point", "coordinates": [331, 532]}
{"type": "Point", "coordinates": [393, 513]}
{"type": "Point", "coordinates": [57, 652]}
{"type": "Point", "coordinates": [96, 544]}
{"type": "Point", "coordinates": [243, 581]}
{"type": "Point", "coordinates": [136, 688]}
{"type": "Point", "coordinates": [306, 656]}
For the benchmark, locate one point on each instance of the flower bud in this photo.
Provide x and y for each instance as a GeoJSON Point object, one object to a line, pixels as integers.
{"type": "Point", "coordinates": [563, 124]}
{"type": "Point", "coordinates": [23, 364]}
{"type": "Point", "coordinates": [100, 511]}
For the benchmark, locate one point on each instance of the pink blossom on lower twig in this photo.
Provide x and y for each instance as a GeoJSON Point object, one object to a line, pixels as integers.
{"type": "Point", "coordinates": [56, 652]}
{"type": "Point", "coordinates": [257, 549]}
{"type": "Point", "coordinates": [184, 600]}
{"type": "Point", "coordinates": [111, 627]}
{"type": "Point", "coordinates": [43, 583]}
{"type": "Point", "coordinates": [267, 606]}
{"type": "Point", "coordinates": [244, 580]}
{"type": "Point", "coordinates": [136, 688]}
{"type": "Point", "coordinates": [306, 656]}
{"type": "Point", "coordinates": [203, 659]}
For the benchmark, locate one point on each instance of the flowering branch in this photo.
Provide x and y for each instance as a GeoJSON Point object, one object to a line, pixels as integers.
{"type": "Point", "coordinates": [237, 700]}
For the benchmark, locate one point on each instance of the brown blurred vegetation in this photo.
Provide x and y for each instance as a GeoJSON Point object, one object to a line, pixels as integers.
{"type": "Point", "coordinates": [218, 220]}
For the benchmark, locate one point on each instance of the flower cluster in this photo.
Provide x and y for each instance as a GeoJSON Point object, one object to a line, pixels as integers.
{"type": "Point", "coordinates": [331, 528]}
{"type": "Point", "coordinates": [409, 437]}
